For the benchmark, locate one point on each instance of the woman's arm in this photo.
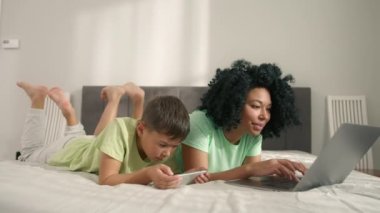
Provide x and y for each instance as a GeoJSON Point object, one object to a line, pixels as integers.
{"type": "Point", "coordinates": [252, 159]}
{"type": "Point", "coordinates": [241, 172]}
{"type": "Point", "coordinates": [281, 167]}
{"type": "Point", "coordinates": [253, 166]}
{"type": "Point", "coordinates": [161, 175]}
{"type": "Point", "coordinates": [194, 158]}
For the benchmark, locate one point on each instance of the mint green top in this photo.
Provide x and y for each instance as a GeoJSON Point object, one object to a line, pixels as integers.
{"type": "Point", "coordinates": [222, 155]}
{"type": "Point", "coordinates": [118, 140]}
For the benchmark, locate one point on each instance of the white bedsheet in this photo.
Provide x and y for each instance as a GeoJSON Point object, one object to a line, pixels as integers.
{"type": "Point", "coordinates": [26, 187]}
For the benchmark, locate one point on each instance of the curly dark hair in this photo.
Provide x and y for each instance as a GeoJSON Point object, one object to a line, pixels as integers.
{"type": "Point", "coordinates": [227, 93]}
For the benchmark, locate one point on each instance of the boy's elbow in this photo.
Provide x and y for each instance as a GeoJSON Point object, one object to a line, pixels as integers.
{"type": "Point", "coordinates": [102, 182]}
{"type": "Point", "coordinates": [105, 181]}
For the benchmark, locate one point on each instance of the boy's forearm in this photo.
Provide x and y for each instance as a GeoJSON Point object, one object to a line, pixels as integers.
{"type": "Point", "coordinates": [138, 177]}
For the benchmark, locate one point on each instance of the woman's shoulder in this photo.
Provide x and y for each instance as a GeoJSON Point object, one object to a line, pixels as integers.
{"type": "Point", "coordinates": [200, 119]}
{"type": "Point", "coordinates": [199, 116]}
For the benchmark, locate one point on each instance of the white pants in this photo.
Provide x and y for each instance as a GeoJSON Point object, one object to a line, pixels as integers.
{"type": "Point", "coordinates": [32, 140]}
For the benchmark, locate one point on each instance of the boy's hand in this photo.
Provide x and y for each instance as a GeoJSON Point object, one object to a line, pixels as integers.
{"type": "Point", "coordinates": [163, 177]}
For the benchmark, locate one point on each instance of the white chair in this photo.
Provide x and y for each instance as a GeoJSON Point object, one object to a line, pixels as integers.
{"type": "Point", "coordinates": [349, 109]}
{"type": "Point", "coordinates": [55, 122]}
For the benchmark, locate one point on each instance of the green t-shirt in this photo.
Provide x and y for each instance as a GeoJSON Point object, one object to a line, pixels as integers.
{"type": "Point", "coordinates": [222, 155]}
{"type": "Point", "coordinates": [118, 140]}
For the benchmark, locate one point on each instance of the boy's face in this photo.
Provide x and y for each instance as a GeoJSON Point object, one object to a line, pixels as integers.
{"type": "Point", "coordinates": [153, 145]}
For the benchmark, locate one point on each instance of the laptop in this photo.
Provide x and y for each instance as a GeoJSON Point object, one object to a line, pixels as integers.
{"type": "Point", "coordinates": [335, 162]}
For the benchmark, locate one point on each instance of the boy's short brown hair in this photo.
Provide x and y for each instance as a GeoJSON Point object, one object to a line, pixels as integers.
{"type": "Point", "coordinates": [167, 115]}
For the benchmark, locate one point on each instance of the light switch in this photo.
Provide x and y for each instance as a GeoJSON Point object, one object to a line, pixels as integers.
{"type": "Point", "coordinates": [10, 43]}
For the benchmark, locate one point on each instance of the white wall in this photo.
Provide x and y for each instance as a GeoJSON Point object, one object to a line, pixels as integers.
{"type": "Point", "coordinates": [331, 46]}
{"type": "Point", "coordinates": [375, 88]}
{"type": "Point", "coordinates": [88, 42]}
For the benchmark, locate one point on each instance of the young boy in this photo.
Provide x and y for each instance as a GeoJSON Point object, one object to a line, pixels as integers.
{"type": "Point", "coordinates": [122, 150]}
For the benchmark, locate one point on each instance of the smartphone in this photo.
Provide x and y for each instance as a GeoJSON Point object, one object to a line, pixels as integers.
{"type": "Point", "coordinates": [188, 177]}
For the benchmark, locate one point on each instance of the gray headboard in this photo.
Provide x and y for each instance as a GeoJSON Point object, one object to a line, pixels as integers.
{"type": "Point", "coordinates": [293, 138]}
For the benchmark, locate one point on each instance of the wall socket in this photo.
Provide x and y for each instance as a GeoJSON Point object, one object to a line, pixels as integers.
{"type": "Point", "coordinates": [10, 43]}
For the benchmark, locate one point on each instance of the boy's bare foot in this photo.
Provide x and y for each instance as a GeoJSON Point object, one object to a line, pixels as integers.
{"type": "Point", "coordinates": [36, 93]}
{"type": "Point", "coordinates": [137, 95]}
{"type": "Point", "coordinates": [112, 93]}
{"type": "Point", "coordinates": [58, 96]}
{"type": "Point", "coordinates": [133, 91]}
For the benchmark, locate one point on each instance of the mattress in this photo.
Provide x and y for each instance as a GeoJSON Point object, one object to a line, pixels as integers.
{"type": "Point", "coordinates": [30, 187]}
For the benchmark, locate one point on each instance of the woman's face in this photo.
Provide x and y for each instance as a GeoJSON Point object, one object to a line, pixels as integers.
{"type": "Point", "coordinates": [256, 110]}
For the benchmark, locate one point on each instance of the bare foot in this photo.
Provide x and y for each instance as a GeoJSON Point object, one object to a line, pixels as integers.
{"type": "Point", "coordinates": [112, 93]}
{"type": "Point", "coordinates": [134, 91]}
{"type": "Point", "coordinates": [137, 95]}
{"type": "Point", "coordinates": [58, 96]}
{"type": "Point", "coordinates": [36, 93]}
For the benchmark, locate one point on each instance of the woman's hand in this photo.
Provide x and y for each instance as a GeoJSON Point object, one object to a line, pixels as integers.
{"type": "Point", "coordinates": [280, 167]}
{"type": "Point", "coordinates": [202, 178]}
{"type": "Point", "coordinates": [163, 177]}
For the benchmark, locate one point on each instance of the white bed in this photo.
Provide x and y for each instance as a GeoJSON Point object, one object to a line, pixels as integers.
{"type": "Point", "coordinates": [26, 187]}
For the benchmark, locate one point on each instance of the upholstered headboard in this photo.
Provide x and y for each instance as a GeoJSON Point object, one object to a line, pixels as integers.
{"type": "Point", "coordinates": [293, 138]}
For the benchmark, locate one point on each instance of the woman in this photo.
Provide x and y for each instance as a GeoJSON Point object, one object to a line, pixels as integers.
{"type": "Point", "coordinates": [244, 104]}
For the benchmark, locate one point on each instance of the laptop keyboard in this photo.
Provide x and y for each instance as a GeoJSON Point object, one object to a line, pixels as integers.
{"type": "Point", "coordinates": [280, 184]}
